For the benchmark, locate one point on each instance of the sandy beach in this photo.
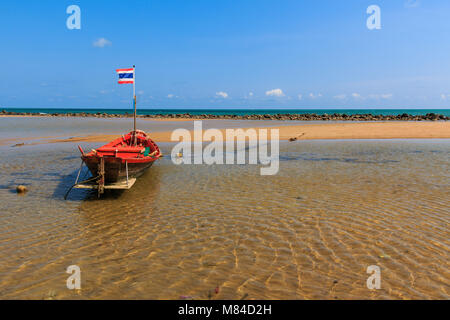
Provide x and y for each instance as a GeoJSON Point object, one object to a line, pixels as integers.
{"type": "Point", "coordinates": [329, 131]}
{"type": "Point", "coordinates": [319, 131]}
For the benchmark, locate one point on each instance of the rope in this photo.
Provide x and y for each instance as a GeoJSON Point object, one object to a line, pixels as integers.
{"type": "Point", "coordinates": [70, 189]}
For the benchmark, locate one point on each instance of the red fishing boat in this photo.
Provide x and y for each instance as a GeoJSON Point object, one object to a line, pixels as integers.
{"type": "Point", "coordinates": [119, 163]}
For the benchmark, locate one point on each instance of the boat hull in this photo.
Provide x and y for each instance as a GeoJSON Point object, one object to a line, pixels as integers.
{"type": "Point", "coordinates": [116, 169]}
{"type": "Point", "coordinates": [122, 159]}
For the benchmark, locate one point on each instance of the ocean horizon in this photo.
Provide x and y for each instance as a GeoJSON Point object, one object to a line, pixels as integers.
{"type": "Point", "coordinates": [238, 112]}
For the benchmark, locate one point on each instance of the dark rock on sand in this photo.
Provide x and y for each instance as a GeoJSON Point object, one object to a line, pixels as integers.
{"type": "Point", "coordinates": [21, 189]}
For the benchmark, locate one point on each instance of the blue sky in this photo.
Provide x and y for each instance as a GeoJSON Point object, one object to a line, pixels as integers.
{"type": "Point", "coordinates": [247, 53]}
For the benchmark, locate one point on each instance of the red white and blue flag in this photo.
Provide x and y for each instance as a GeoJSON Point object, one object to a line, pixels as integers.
{"type": "Point", "coordinates": [126, 75]}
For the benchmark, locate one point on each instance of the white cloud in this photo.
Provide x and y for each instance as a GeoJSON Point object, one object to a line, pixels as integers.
{"type": "Point", "coordinates": [170, 96]}
{"type": "Point", "coordinates": [445, 96]}
{"type": "Point", "coordinates": [222, 94]}
{"type": "Point", "coordinates": [249, 95]}
{"type": "Point", "coordinates": [386, 96]}
{"type": "Point", "coordinates": [341, 97]}
{"type": "Point", "coordinates": [300, 96]}
{"type": "Point", "coordinates": [275, 93]}
{"type": "Point", "coordinates": [356, 95]}
{"type": "Point", "coordinates": [314, 96]}
{"type": "Point", "coordinates": [140, 92]}
{"type": "Point", "coordinates": [101, 43]}
{"type": "Point", "coordinates": [412, 3]}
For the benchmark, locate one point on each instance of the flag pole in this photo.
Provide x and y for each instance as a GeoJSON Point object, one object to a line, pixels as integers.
{"type": "Point", "coordinates": [134, 99]}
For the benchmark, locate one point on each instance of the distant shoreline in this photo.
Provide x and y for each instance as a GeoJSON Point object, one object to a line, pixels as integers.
{"type": "Point", "coordinates": [283, 117]}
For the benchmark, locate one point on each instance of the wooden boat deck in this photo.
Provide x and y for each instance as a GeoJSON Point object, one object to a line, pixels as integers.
{"type": "Point", "coordinates": [120, 185]}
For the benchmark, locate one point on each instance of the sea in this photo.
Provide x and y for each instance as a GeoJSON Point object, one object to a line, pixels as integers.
{"type": "Point", "coordinates": [231, 111]}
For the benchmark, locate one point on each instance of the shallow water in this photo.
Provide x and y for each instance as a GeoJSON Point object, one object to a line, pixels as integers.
{"type": "Point", "coordinates": [309, 232]}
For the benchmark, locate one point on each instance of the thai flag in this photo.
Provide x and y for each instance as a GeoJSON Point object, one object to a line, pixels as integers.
{"type": "Point", "coordinates": [126, 75]}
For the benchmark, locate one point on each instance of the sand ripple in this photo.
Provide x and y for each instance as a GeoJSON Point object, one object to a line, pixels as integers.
{"type": "Point", "coordinates": [307, 233]}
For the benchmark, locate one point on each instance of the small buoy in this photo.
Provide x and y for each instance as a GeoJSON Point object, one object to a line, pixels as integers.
{"type": "Point", "coordinates": [21, 189]}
